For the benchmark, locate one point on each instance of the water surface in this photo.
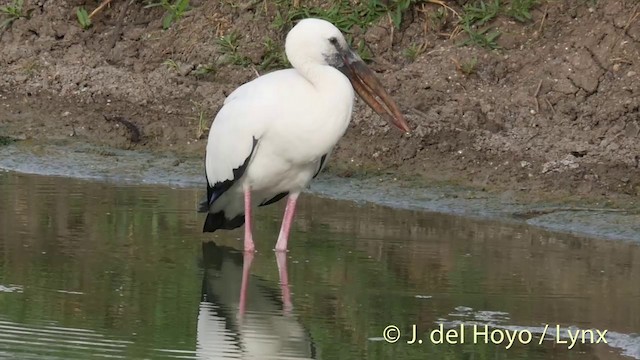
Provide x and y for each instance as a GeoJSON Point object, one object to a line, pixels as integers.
{"type": "Point", "coordinates": [96, 270]}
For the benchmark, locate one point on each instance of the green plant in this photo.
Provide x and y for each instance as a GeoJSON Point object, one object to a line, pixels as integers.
{"type": "Point", "coordinates": [13, 11]}
{"type": "Point", "coordinates": [344, 14]}
{"type": "Point", "coordinates": [363, 51]}
{"type": "Point", "coordinates": [438, 18]}
{"type": "Point", "coordinates": [202, 120]}
{"type": "Point", "coordinates": [414, 50]}
{"type": "Point", "coordinates": [171, 64]}
{"type": "Point", "coordinates": [274, 56]}
{"type": "Point", "coordinates": [205, 69]}
{"type": "Point", "coordinates": [467, 67]}
{"type": "Point", "coordinates": [229, 47]}
{"type": "Point", "coordinates": [174, 11]}
{"type": "Point", "coordinates": [400, 7]}
{"type": "Point", "coordinates": [521, 9]}
{"type": "Point", "coordinates": [31, 67]}
{"type": "Point", "coordinates": [83, 18]}
{"type": "Point", "coordinates": [485, 38]}
{"type": "Point", "coordinates": [480, 13]}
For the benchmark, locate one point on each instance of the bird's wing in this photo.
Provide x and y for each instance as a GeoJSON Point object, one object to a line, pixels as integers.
{"type": "Point", "coordinates": [232, 142]}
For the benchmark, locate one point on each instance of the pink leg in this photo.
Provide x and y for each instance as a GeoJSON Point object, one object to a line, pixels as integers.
{"type": "Point", "coordinates": [281, 258]}
{"type": "Point", "coordinates": [246, 270]}
{"type": "Point", "coordinates": [248, 237]}
{"type": "Point", "coordinates": [281, 245]}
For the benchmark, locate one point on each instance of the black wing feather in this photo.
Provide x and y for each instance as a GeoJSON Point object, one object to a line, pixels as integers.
{"type": "Point", "coordinates": [219, 188]}
{"type": "Point", "coordinates": [274, 199]}
{"type": "Point", "coordinates": [322, 160]}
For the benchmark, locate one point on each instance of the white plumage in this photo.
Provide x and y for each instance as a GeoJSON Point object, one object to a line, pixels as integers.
{"type": "Point", "coordinates": [273, 134]}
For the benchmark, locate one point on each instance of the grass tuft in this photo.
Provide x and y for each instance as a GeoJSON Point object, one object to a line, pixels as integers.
{"type": "Point", "coordinates": [274, 56]}
{"type": "Point", "coordinates": [480, 13]}
{"type": "Point", "coordinates": [521, 9]}
{"type": "Point", "coordinates": [201, 117]}
{"type": "Point", "coordinates": [174, 11]}
{"type": "Point", "coordinates": [13, 12]}
{"type": "Point", "coordinates": [229, 48]}
{"type": "Point", "coordinates": [83, 18]}
{"type": "Point", "coordinates": [414, 50]}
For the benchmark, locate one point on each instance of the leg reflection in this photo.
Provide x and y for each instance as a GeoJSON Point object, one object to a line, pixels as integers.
{"type": "Point", "coordinates": [246, 270]}
{"type": "Point", "coordinates": [281, 258]}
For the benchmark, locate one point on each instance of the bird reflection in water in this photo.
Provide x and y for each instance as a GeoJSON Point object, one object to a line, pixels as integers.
{"type": "Point", "coordinates": [244, 316]}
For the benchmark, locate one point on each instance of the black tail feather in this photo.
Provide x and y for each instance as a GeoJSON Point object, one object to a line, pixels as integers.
{"type": "Point", "coordinates": [218, 220]}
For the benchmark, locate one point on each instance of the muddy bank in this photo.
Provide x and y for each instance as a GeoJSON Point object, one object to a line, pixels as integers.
{"type": "Point", "coordinates": [552, 113]}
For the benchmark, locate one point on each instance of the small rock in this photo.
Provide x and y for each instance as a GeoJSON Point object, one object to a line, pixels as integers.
{"type": "Point", "coordinates": [20, 78]}
{"type": "Point", "coordinates": [631, 74]}
{"type": "Point", "coordinates": [565, 86]}
{"type": "Point", "coordinates": [185, 69]}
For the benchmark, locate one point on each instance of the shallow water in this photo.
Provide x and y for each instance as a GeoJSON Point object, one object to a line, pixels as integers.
{"type": "Point", "coordinates": [92, 270]}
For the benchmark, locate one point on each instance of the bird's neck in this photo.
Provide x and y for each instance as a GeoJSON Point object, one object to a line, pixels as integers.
{"type": "Point", "coordinates": [325, 78]}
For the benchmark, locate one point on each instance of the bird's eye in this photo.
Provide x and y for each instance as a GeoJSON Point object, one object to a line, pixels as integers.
{"type": "Point", "coordinates": [333, 40]}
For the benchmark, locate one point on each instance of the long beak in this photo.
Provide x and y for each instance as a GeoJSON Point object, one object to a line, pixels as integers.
{"type": "Point", "coordinates": [367, 85]}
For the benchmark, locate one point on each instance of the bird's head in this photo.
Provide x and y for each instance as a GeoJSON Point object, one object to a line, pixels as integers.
{"type": "Point", "coordinates": [320, 42]}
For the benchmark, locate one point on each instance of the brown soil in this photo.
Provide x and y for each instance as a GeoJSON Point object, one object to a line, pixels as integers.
{"type": "Point", "coordinates": [555, 112]}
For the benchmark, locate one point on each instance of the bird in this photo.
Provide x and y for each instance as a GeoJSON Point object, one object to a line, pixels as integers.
{"type": "Point", "coordinates": [274, 134]}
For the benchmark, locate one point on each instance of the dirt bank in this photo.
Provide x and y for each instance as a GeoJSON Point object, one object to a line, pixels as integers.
{"type": "Point", "coordinates": [553, 111]}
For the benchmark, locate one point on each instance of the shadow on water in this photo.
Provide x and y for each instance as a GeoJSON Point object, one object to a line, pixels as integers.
{"type": "Point", "coordinates": [100, 270]}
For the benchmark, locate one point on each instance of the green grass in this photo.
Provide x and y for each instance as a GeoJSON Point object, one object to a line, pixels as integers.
{"type": "Point", "coordinates": [13, 12]}
{"type": "Point", "coordinates": [439, 18]}
{"type": "Point", "coordinates": [521, 9]}
{"type": "Point", "coordinates": [229, 45]}
{"type": "Point", "coordinates": [413, 51]}
{"type": "Point", "coordinates": [83, 18]}
{"type": "Point", "coordinates": [274, 55]}
{"type": "Point", "coordinates": [174, 11]}
{"type": "Point", "coordinates": [201, 117]}
{"type": "Point", "coordinates": [474, 19]}
{"type": "Point", "coordinates": [481, 13]}
{"type": "Point", "coordinates": [486, 38]}
{"type": "Point", "coordinates": [171, 64]}
{"type": "Point", "coordinates": [205, 69]}
{"type": "Point", "coordinates": [341, 13]}
{"type": "Point", "coordinates": [468, 67]}
{"type": "Point", "coordinates": [476, 16]}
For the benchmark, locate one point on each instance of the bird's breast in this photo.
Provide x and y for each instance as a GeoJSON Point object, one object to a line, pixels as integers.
{"type": "Point", "coordinates": [312, 130]}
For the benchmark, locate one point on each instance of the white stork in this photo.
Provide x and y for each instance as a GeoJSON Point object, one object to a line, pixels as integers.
{"type": "Point", "coordinates": [273, 134]}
